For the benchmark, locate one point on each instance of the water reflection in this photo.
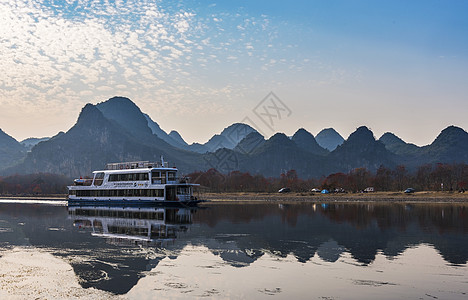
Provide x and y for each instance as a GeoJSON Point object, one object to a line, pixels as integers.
{"type": "Point", "coordinates": [329, 229]}
{"type": "Point", "coordinates": [149, 226]}
{"type": "Point", "coordinates": [112, 248]}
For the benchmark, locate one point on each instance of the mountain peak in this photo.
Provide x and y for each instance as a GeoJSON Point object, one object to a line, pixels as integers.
{"type": "Point", "coordinates": [302, 131]}
{"type": "Point", "coordinates": [453, 130]}
{"type": "Point", "coordinates": [361, 135]}
{"type": "Point", "coordinates": [119, 100]}
{"type": "Point", "coordinates": [250, 143]}
{"type": "Point", "coordinates": [237, 131]}
{"type": "Point", "coordinates": [306, 141]}
{"type": "Point", "coordinates": [280, 138]}
{"type": "Point", "coordinates": [389, 138]}
{"type": "Point", "coordinates": [177, 137]}
{"type": "Point", "coordinates": [126, 113]}
{"type": "Point", "coordinates": [229, 137]}
{"type": "Point", "coordinates": [452, 135]}
{"type": "Point", "coordinates": [329, 139]}
{"type": "Point", "coordinates": [11, 151]}
{"type": "Point", "coordinates": [88, 113]}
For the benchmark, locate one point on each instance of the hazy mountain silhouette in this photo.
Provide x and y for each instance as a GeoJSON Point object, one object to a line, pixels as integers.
{"type": "Point", "coordinates": [280, 154]}
{"type": "Point", "coordinates": [177, 137]}
{"type": "Point", "coordinates": [31, 142]}
{"type": "Point", "coordinates": [229, 137]}
{"type": "Point", "coordinates": [199, 148]}
{"type": "Point", "coordinates": [116, 130]}
{"type": "Point", "coordinates": [450, 146]}
{"type": "Point", "coordinates": [362, 150]}
{"type": "Point", "coordinates": [329, 139]}
{"type": "Point", "coordinates": [156, 130]}
{"type": "Point", "coordinates": [11, 151]}
{"type": "Point", "coordinates": [96, 140]}
{"type": "Point", "coordinates": [396, 145]}
{"type": "Point", "coordinates": [250, 143]}
{"type": "Point", "coordinates": [126, 114]}
{"type": "Point", "coordinates": [305, 140]}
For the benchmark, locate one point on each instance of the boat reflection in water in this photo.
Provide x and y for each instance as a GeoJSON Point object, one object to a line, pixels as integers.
{"type": "Point", "coordinates": [151, 226]}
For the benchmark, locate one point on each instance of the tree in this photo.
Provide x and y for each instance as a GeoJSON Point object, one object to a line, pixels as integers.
{"type": "Point", "coordinates": [401, 178]}
{"type": "Point", "coordinates": [383, 179]}
{"type": "Point", "coordinates": [423, 177]}
{"type": "Point", "coordinates": [360, 179]}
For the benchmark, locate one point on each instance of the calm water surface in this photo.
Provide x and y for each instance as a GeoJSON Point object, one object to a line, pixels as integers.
{"type": "Point", "coordinates": [254, 251]}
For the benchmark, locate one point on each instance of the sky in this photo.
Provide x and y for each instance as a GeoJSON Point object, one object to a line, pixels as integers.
{"type": "Point", "coordinates": [199, 66]}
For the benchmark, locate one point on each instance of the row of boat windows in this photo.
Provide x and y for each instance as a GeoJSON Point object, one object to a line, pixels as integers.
{"type": "Point", "coordinates": [129, 177]}
{"type": "Point", "coordinates": [119, 193]}
{"type": "Point", "coordinates": [171, 176]}
{"type": "Point", "coordinates": [156, 231]}
{"type": "Point", "coordinates": [149, 215]}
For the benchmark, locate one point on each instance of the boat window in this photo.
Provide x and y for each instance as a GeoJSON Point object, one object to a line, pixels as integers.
{"type": "Point", "coordinates": [119, 193]}
{"type": "Point", "coordinates": [129, 177]}
{"type": "Point", "coordinates": [142, 176]}
{"type": "Point", "coordinates": [183, 190]}
{"type": "Point", "coordinates": [158, 177]}
{"type": "Point", "coordinates": [171, 176]}
{"type": "Point", "coordinates": [98, 178]}
{"type": "Point", "coordinates": [158, 193]}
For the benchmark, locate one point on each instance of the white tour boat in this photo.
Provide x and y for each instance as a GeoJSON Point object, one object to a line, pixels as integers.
{"type": "Point", "coordinates": [133, 183]}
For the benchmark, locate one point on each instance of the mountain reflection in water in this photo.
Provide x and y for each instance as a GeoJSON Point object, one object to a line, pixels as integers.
{"type": "Point", "coordinates": [112, 248]}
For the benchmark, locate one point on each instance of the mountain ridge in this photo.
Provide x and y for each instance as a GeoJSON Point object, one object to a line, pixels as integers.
{"type": "Point", "coordinates": [117, 130]}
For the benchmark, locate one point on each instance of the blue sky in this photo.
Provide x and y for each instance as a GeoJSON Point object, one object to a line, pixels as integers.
{"type": "Point", "coordinates": [199, 66]}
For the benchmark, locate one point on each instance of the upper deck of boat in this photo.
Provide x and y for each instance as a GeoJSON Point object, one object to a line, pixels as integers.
{"type": "Point", "coordinates": [136, 167]}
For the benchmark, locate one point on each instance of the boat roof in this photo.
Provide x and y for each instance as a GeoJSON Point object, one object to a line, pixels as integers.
{"type": "Point", "coordinates": [136, 167]}
{"type": "Point", "coordinates": [140, 170]}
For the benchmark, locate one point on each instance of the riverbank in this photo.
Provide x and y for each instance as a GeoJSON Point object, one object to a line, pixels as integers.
{"type": "Point", "coordinates": [425, 196]}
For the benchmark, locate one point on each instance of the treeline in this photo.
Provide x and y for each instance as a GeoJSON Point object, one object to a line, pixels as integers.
{"type": "Point", "coordinates": [34, 184]}
{"type": "Point", "coordinates": [447, 177]}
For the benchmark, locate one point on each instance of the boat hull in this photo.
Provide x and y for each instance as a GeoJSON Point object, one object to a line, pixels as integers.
{"type": "Point", "coordinates": [121, 202]}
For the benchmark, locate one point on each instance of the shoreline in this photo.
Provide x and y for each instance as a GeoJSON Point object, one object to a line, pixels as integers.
{"type": "Point", "coordinates": [424, 196]}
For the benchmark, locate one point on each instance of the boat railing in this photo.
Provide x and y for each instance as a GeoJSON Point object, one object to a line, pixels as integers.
{"type": "Point", "coordinates": [136, 165]}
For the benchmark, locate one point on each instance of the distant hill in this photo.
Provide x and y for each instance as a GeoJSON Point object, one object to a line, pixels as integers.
{"type": "Point", "coordinates": [397, 145]}
{"type": "Point", "coordinates": [117, 130]}
{"type": "Point", "coordinates": [306, 141]}
{"type": "Point", "coordinates": [450, 146]}
{"type": "Point", "coordinates": [96, 140]}
{"type": "Point", "coordinates": [125, 113]}
{"type": "Point", "coordinates": [329, 139]}
{"type": "Point", "coordinates": [199, 148]}
{"type": "Point", "coordinates": [362, 150]}
{"type": "Point", "coordinates": [229, 137]}
{"type": "Point", "coordinates": [156, 130]}
{"type": "Point", "coordinates": [31, 142]}
{"type": "Point", "coordinates": [177, 137]}
{"type": "Point", "coordinates": [250, 143]}
{"type": "Point", "coordinates": [280, 154]}
{"type": "Point", "coordinates": [11, 151]}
